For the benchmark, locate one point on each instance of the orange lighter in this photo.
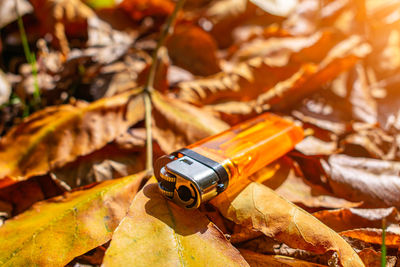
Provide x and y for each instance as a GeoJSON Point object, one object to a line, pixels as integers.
{"type": "Point", "coordinates": [199, 172]}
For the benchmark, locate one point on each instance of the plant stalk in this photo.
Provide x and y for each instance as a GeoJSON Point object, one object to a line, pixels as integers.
{"type": "Point", "coordinates": [149, 85]}
{"type": "Point", "coordinates": [30, 57]}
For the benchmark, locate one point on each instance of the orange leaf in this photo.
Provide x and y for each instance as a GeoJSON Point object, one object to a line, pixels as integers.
{"type": "Point", "coordinates": [374, 236]}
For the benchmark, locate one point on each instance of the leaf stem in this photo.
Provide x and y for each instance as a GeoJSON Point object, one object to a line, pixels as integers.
{"type": "Point", "coordinates": [149, 85]}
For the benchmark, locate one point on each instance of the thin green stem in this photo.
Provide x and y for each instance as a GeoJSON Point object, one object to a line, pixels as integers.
{"type": "Point", "coordinates": [149, 85]}
{"type": "Point", "coordinates": [383, 246]}
{"type": "Point", "coordinates": [30, 57]}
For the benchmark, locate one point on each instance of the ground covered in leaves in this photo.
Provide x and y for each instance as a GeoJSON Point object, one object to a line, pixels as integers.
{"type": "Point", "coordinates": [73, 190]}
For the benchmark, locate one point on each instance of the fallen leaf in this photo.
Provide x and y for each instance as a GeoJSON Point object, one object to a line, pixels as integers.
{"type": "Point", "coordinates": [374, 236]}
{"type": "Point", "coordinates": [370, 141]}
{"type": "Point", "coordinates": [24, 194]}
{"type": "Point", "coordinates": [245, 82]}
{"type": "Point", "coordinates": [260, 260]}
{"type": "Point", "coordinates": [138, 9]}
{"type": "Point", "coordinates": [193, 49]}
{"type": "Point", "coordinates": [105, 43]}
{"type": "Point", "coordinates": [107, 163]}
{"type": "Point", "coordinates": [57, 135]}
{"type": "Point", "coordinates": [61, 17]}
{"type": "Point", "coordinates": [297, 190]}
{"type": "Point", "coordinates": [352, 218]}
{"type": "Point", "coordinates": [174, 236]}
{"type": "Point", "coordinates": [312, 146]}
{"type": "Point", "coordinates": [266, 245]}
{"type": "Point", "coordinates": [364, 106]}
{"type": "Point", "coordinates": [178, 124]}
{"type": "Point", "coordinates": [53, 232]}
{"type": "Point", "coordinates": [283, 221]}
{"type": "Point", "coordinates": [375, 182]}
{"type": "Point", "coordinates": [371, 258]}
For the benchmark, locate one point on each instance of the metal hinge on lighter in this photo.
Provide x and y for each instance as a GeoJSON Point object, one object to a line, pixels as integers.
{"type": "Point", "coordinates": [199, 172]}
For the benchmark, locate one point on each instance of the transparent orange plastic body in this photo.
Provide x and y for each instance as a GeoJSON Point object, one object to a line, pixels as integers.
{"type": "Point", "coordinates": [249, 146]}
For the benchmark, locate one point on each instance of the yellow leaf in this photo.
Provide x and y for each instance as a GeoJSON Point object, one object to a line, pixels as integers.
{"type": "Point", "coordinates": [55, 231]}
{"type": "Point", "coordinates": [156, 232]}
{"type": "Point", "coordinates": [57, 135]}
{"type": "Point", "coordinates": [261, 209]}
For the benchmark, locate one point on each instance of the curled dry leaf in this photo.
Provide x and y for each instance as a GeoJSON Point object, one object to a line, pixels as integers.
{"type": "Point", "coordinates": [374, 236]}
{"type": "Point", "coordinates": [57, 135]}
{"type": "Point", "coordinates": [262, 260]}
{"type": "Point", "coordinates": [55, 231]}
{"type": "Point", "coordinates": [244, 82]}
{"type": "Point", "coordinates": [59, 17]}
{"type": "Point", "coordinates": [297, 190]}
{"type": "Point", "coordinates": [352, 218]}
{"type": "Point", "coordinates": [173, 236]}
{"type": "Point", "coordinates": [177, 124]}
{"type": "Point", "coordinates": [371, 258]}
{"type": "Point", "coordinates": [364, 106]}
{"type": "Point", "coordinates": [281, 50]}
{"type": "Point", "coordinates": [375, 182]}
{"type": "Point", "coordinates": [283, 221]}
{"type": "Point", "coordinates": [193, 49]}
{"type": "Point", "coordinates": [108, 163]}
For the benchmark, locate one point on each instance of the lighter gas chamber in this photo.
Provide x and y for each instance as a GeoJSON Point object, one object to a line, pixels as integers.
{"type": "Point", "coordinates": [201, 171]}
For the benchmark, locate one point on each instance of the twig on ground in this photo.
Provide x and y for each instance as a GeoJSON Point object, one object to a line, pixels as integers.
{"type": "Point", "coordinates": [149, 85]}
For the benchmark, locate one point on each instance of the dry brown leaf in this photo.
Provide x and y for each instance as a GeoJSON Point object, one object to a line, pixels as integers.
{"type": "Point", "coordinates": [346, 219]}
{"type": "Point", "coordinates": [371, 258]}
{"type": "Point", "coordinates": [173, 236]}
{"type": "Point", "coordinates": [375, 182]}
{"type": "Point", "coordinates": [22, 195]}
{"type": "Point", "coordinates": [312, 146]}
{"type": "Point", "coordinates": [59, 17]}
{"type": "Point", "coordinates": [226, 15]}
{"type": "Point", "coordinates": [297, 190]}
{"type": "Point", "coordinates": [370, 141]}
{"type": "Point", "coordinates": [138, 9]}
{"type": "Point", "coordinates": [108, 163]}
{"type": "Point", "coordinates": [193, 49]}
{"type": "Point", "coordinates": [54, 232]}
{"type": "Point", "coordinates": [57, 135]}
{"type": "Point", "coordinates": [281, 50]}
{"type": "Point", "coordinates": [262, 260]}
{"type": "Point", "coordinates": [374, 236]}
{"type": "Point", "coordinates": [178, 124]}
{"type": "Point", "coordinates": [364, 106]}
{"type": "Point", "coordinates": [283, 221]}
{"type": "Point", "coordinates": [245, 82]}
